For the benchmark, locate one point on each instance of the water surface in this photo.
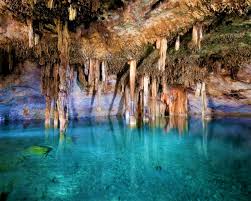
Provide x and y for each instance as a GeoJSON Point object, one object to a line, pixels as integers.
{"type": "Point", "coordinates": [174, 160]}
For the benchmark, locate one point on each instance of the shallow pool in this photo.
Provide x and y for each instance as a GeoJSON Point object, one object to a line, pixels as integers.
{"type": "Point", "coordinates": [99, 160]}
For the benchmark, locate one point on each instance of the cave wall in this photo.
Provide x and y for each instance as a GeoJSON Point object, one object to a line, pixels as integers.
{"type": "Point", "coordinates": [21, 97]}
{"type": "Point", "coordinates": [20, 94]}
{"type": "Point", "coordinates": [225, 96]}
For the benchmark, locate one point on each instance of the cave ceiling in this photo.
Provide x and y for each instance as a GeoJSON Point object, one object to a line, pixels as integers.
{"type": "Point", "coordinates": [105, 29]}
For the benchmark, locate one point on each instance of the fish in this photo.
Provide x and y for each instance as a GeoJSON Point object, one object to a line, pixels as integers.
{"type": "Point", "coordinates": [38, 150]}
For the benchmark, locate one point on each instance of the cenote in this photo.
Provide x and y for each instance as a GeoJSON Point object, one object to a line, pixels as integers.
{"type": "Point", "coordinates": [125, 100]}
{"type": "Point", "coordinates": [107, 160]}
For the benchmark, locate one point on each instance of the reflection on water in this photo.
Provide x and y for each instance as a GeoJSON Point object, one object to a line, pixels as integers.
{"type": "Point", "coordinates": [169, 159]}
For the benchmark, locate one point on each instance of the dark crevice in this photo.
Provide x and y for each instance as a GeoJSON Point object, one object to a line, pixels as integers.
{"type": "Point", "coordinates": [156, 4]}
{"type": "Point", "coordinates": [7, 61]}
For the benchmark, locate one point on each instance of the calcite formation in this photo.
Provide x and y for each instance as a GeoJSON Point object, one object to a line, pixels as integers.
{"type": "Point", "coordinates": [138, 58]}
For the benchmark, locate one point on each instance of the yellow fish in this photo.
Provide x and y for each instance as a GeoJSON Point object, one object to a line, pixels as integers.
{"type": "Point", "coordinates": [38, 150]}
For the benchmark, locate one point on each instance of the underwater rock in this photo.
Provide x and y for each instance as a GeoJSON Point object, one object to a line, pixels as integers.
{"type": "Point", "coordinates": [7, 189]}
{"type": "Point", "coordinates": [10, 166]}
{"type": "Point", "coordinates": [54, 180]}
{"type": "Point", "coordinates": [158, 168]}
{"type": "Point", "coordinates": [4, 196]}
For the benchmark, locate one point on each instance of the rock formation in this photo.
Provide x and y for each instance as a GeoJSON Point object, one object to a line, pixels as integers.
{"type": "Point", "coordinates": [97, 58]}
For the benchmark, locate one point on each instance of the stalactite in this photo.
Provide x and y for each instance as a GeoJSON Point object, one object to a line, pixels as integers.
{"type": "Point", "coordinates": [30, 34]}
{"type": "Point", "coordinates": [48, 89]}
{"type": "Point", "coordinates": [64, 75]}
{"type": "Point", "coordinates": [133, 65]}
{"type": "Point", "coordinates": [81, 77]}
{"type": "Point", "coordinates": [91, 72]}
{"type": "Point", "coordinates": [62, 110]}
{"type": "Point", "coordinates": [200, 35]}
{"type": "Point", "coordinates": [104, 74]}
{"type": "Point", "coordinates": [140, 103]}
{"type": "Point", "coordinates": [98, 84]}
{"type": "Point", "coordinates": [100, 81]}
{"type": "Point", "coordinates": [146, 98]}
{"type": "Point", "coordinates": [203, 100]}
{"type": "Point", "coordinates": [72, 13]}
{"type": "Point", "coordinates": [36, 39]}
{"type": "Point", "coordinates": [139, 98]}
{"type": "Point", "coordinates": [56, 118]}
{"type": "Point", "coordinates": [164, 85]}
{"type": "Point", "coordinates": [126, 105]}
{"type": "Point", "coordinates": [48, 112]}
{"type": "Point", "coordinates": [198, 90]}
{"type": "Point", "coordinates": [50, 4]}
{"type": "Point", "coordinates": [164, 95]}
{"type": "Point", "coordinates": [177, 44]}
{"type": "Point", "coordinates": [161, 44]}
{"type": "Point", "coordinates": [87, 67]}
{"type": "Point", "coordinates": [96, 74]}
{"type": "Point", "coordinates": [160, 107]}
{"type": "Point", "coordinates": [153, 98]}
{"type": "Point", "coordinates": [132, 77]}
{"type": "Point", "coordinates": [55, 81]}
{"type": "Point", "coordinates": [104, 70]}
{"type": "Point", "coordinates": [197, 35]}
{"type": "Point", "coordinates": [55, 94]}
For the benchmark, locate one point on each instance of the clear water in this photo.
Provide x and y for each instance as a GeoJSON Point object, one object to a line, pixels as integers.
{"type": "Point", "coordinates": [105, 160]}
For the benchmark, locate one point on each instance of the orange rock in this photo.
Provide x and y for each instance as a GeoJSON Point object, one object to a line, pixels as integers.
{"type": "Point", "coordinates": [178, 101]}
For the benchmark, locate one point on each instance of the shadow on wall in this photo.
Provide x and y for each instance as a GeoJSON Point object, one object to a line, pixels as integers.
{"type": "Point", "coordinates": [122, 74]}
{"type": "Point", "coordinates": [82, 104]}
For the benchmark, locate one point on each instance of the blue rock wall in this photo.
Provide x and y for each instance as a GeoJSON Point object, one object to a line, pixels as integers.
{"type": "Point", "coordinates": [22, 98]}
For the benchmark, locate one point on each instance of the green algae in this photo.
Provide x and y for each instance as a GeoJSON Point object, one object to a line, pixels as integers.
{"type": "Point", "coordinates": [227, 44]}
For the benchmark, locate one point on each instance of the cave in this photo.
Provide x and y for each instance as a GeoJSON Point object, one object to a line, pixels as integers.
{"type": "Point", "coordinates": [122, 99]}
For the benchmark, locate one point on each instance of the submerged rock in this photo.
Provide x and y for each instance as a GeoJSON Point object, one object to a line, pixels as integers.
{"type": "Point", "coordinates": [4, 196]}
{"type": "Point", "coordinates": [158, 168]}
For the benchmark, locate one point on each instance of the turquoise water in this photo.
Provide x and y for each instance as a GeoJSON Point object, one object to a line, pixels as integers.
{"type": "Point", "coordinates": [103, 160]}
